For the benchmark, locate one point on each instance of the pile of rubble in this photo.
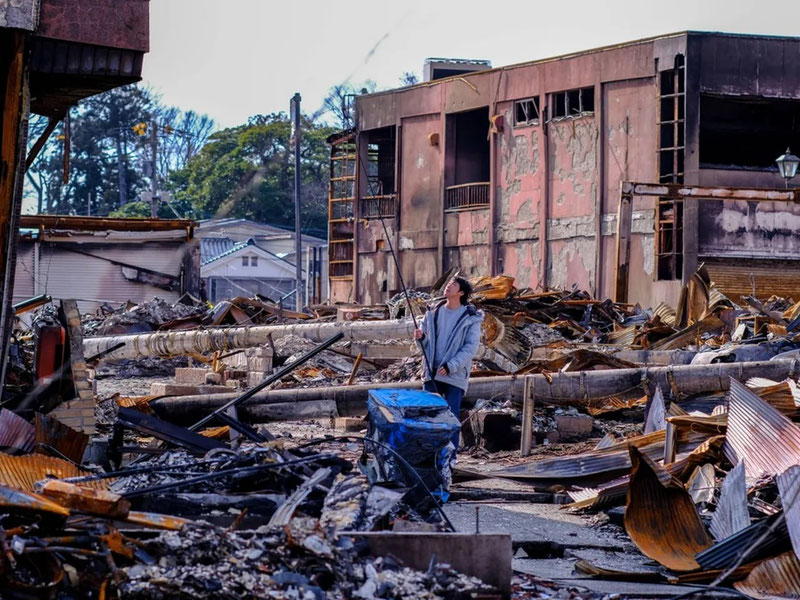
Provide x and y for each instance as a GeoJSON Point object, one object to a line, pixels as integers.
{"type": "Point", "coordinates": [677, 421]}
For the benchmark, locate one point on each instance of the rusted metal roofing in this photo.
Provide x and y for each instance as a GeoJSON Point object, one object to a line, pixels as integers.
{"type": "Point", "coordinates": [731, 514]}
{"type": "Point", "coordinates": [66, 440]}
{"type": "Point", "coordinates": [21, 472]}
{"type": "Point", "coordinates": [774, 578]}
{"type": "Point", "coordinates": [759, 433]}
{"type": "Point", "coordinates": [661, 517]}
{"type": "Point", "coordinates": [15, 432]}
{"type": "Point", "coordinates": [789, 488]}
{"type": "Point", "coordinates": [615, 491]}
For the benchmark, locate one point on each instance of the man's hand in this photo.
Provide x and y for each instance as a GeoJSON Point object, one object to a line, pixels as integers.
{"type": "Point", "coordinates": [443, 370]}
{"type": "Point", "coordinates": [418, 335]}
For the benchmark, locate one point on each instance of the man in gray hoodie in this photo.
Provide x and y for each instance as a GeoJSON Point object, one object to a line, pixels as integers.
{"type": "Point", "coordinates": [450, 334]}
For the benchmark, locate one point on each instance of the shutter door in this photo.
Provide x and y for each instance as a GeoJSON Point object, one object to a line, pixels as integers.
{"type": "Point", "coordinates": [733, 278]}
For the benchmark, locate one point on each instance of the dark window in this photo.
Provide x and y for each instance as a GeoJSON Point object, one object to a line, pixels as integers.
{"type": "Point", "coordinates": [466, 174]}
{"type": "Point", "coordinates": [669, 239]}
{"type": "Point", "coordinates": [378, 195]}
{"type": "Point", "coordinates": [253, 261]}
{"type": "Point", "coordinates": [747, 133]}
{"type": "Point", "coordinates": [245, 261]}
{"type": "Point", "coordinates": [572, 103]}
{"type": "Point", "coordinates": [526, 112]}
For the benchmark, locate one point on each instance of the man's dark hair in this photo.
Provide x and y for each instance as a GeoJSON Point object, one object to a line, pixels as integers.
{"type": "Point", "coordinates": [466, 287]}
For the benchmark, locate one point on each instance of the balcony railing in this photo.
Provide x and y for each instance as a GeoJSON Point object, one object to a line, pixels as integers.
{"type": "Point", "coordinates": [376, 207]}
{"type": "Point", "coordinates": [466, 195]}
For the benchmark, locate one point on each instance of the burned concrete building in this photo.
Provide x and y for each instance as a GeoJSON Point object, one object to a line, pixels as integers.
{"type": "Point", "coordinates": [518, 171]}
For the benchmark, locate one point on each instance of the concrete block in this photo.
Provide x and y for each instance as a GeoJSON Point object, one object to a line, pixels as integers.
{"type": "Point", "coordinates": [259, 352]}
{"type": "Point", "coordinates": [191, 375]}
{"type": "Point", "coordinates": [178, 389]}
{"type": "Point", "coordinates": [349, 424]}
{"type": "Point", "coordinates": [574, 427]}
{"type": "Point", "coordinates": [255, 377]}
{"type": "Point", "coordinates": [213, 379]}
{"type": "Point", "coordinates": [237, 361]}
{"type": "Point", "coordinates": [262, 364]}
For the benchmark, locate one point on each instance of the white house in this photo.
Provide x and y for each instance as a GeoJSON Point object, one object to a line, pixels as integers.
{"type": "Point", "coordinates": [241, 257]}
{"type": "Point", "coordinates": [246, 269]}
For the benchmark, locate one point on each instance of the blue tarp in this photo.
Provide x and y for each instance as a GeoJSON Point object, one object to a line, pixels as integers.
{"type": "Point", "coordinates": [418, 425]}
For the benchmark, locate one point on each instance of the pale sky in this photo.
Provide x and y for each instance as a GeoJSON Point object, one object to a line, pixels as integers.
{"type": "Point", "coordinates": [235, 58]}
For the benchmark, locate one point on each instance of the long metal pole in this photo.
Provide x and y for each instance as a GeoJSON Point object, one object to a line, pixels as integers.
{"type": "Point", "coordinates": [154, 170]}
{"type": "Point", "coordinates": [298, 246]}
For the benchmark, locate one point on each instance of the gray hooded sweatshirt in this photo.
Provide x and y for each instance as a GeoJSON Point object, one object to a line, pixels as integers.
{"type": "Point", "coordinates": [462, 341]}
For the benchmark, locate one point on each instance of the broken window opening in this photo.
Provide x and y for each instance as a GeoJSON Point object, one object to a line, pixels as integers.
{"type": "Point", "coordinates": [467, 156]}
{"type": "Point", "coordinates": [669, 239]}
{"type": "Point", "coordinates": [746, 133]}
{"type": "Point", "coordinates": [572, 103]}
{"type": "Point", "coordinates": [526, 112]}
{"type": "Point", "coordinates": [378, 197]}
{"type": "Point", "coordinates": [671, 119]}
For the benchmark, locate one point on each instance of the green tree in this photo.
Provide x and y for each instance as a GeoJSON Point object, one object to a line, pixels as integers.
{"type": "Point", "coordinates": [110, 153]}
{"type": "Point", "coordinates": [248, 172]}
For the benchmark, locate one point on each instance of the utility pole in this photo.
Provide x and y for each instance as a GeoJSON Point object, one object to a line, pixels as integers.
{"type": "Point", "coordinates": [298, 245]}
{"type": "Point", "coordinates": [121, 174]}
{"type": "Point", "coordinates": [154, 170]}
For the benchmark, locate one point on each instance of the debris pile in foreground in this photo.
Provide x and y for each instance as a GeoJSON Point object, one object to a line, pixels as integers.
{"type": "Point", "coordinates": [680, 423]}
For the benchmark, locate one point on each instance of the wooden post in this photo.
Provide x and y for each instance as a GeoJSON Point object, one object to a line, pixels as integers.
{"type": "Point", "coordinates": [353, 373]}
{"type": "Point", "coordinates": [13, 135]}
{"type": "Point", "coordinates": [526, 439]}
{"type": "Point", "coordinates": [624, 224]}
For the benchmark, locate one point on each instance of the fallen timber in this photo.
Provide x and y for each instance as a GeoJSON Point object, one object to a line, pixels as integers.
{"type": "Point", "coordinates": [207, 341]}
{"type": "Point", "coordinates": [557, 388]}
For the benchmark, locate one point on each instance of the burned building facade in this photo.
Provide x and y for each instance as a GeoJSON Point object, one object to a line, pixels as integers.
{"type": "Point", "coordinates": [518, 170]}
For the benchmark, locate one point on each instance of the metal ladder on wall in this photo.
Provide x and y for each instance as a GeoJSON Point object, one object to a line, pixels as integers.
{"type": "Point", "coordinates": [341, 208]}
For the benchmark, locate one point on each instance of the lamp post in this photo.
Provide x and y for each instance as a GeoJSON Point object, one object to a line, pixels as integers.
{"type": "Point", "coordinates": [787, 165]}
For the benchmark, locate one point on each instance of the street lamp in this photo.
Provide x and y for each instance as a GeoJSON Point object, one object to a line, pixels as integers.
{"type": "Point", "coordinates": [787, 165]}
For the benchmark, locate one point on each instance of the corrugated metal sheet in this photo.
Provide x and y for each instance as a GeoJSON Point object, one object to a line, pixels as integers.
{"type": "Point", "coordinates": [731, 514]}
{"type": "Point", "coordinates": [759, 433]}
{"type": "Point", "coordinates": [21, 472]}
{"type": "Point", "coordinates": [15, 432]}
{"type": "Point", "coordinates": [661, 517]}
{"type": "Point", "coordinates": [789, 488]}
{"type": "Point", "coordinates": [24, 286]}
{"type": "Point", "coordinates": [776, 578]}
{"type": "Point", "coordinates": [614, 492]}
{"type": "Point", "coordinates": [65, 274]}
{"type": "Point", "coordinates": [771, 277]}
{"type": "Point", "coordinates": [724, 554]}
{"type": "Point", "coordinates": [52, 432]}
